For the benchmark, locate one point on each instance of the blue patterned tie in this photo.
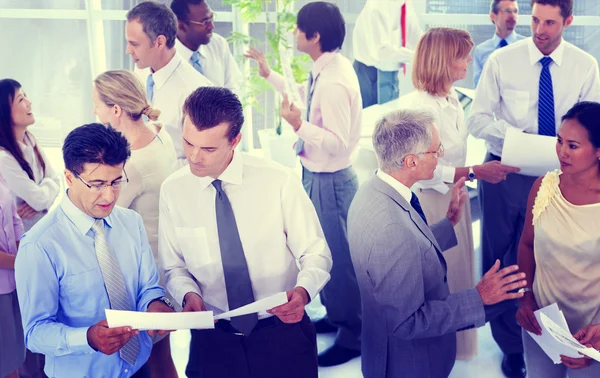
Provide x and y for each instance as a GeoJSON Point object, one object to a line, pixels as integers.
{"type": "Point", "coordinates": [195, 60]}
{"type": "Point", "coordinates": [502, 43]}
{"type": "Point", "coordinates": [300, 142]}
{"type": "Point", "coordinates": [546, 118]}
{"type": "Point", "coordinates": [150, 88]}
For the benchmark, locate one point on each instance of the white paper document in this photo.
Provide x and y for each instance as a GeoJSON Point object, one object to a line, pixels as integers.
{"type": "Point", "coordinates": [534, 154]}
{"type": "Point", "coordinates": [291, 87]}
{"type": "Point", "coordinates": [160, 320]}
{"type": "Point", "coordinates": [552, 347]}
{"type": "Point", "coordinates": [562, 335]}
{"type": "Point", "coordinates": [260, 306]}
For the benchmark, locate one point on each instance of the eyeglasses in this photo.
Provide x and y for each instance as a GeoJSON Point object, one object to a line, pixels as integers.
{"type": "Point", "coordinates": [97, 188]}
{"type": "Point", "coordinates": [204, 23]}
{"type": "Point", "coordinates": [509, 11]}
{"type": "Point", "coordinates": [439, 152]}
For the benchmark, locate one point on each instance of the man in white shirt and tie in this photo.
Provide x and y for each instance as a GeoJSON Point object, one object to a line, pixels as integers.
{"type": "Point", "coordinates": [205, 50]}
{"type": "Point", "coordinates": [385, 34]}
{"type": "Point", "coordinates": [528, 85]}
{"type": "Point", "coordinates": [235, 229]}
{"type": "Point", "coordinates": [151, 32]}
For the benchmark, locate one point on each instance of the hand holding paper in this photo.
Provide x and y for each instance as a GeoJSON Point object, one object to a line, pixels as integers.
{"type": "Point", "coordinates": [259, 306]}
{"type": "Point", "coordinates": [293, 310]}
{"type": "Point", "coordinates": [589, 336]}
{"type": "Point", "coordinates": [160, 321]}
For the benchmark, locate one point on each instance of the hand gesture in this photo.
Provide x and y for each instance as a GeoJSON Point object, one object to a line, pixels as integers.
{"type": "Point", "coordinates": [193, 302]}
{"type": "Point", "coordinates": [457, 203]}
{"type": "Point", "coordinates": [589, 336]}
{"type": "Point", "coordinates": [26, 212]}
{"type": "Point", "coordinates": [493, 171]}
{"type": "Point", "coordinates": [109, 340]}
{"type": "Point", "coordinates": [496, 284]}
{"type": "Point", "coordinates": [575, 363]}
{"type": "Point", "coordinates": [291, 113]}
{"type": "Point", "coordinates": [293, 311]}
{"type": "Point", "coordinates": [159, 306]}
{"type": "Point", "coordinates": [525, 315]}
{"type": "Point", "coordinates": [263, 67]}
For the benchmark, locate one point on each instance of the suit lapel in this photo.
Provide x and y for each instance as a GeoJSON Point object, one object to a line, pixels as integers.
{"type": "Point", "coordinates": [414, 216]}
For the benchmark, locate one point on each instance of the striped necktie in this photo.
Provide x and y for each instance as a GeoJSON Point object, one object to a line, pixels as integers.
{"type": "Point", "coordinates": [150, 88]}
{"type": "Point", "coordinates": [195, 61]}
{"type": "Point", "coordinates": [546, 118]}
{"type": "Point", "coordinates": [115, 286]}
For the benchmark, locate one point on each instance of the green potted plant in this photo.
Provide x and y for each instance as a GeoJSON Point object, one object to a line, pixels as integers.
{"type": "Point", "coordinates": [277, 143]}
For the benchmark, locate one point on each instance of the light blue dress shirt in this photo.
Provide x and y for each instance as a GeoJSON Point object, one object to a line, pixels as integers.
{"type": "Point", "coordinates": [484, 49]}
{"type": "Point", "coordinates": [62, 293]}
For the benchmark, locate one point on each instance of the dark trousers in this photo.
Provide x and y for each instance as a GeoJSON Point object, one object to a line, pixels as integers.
{"type": "Point", "coordinates": [376, 86]}
{"type": "Point", "coordinates": [331, 194]}
{"type": "Point", "coordinates": [273, 350]}
{"type": "Point", "coordinates": [503, 211]}
{"type": "Point", "coordinates": [144, 372]}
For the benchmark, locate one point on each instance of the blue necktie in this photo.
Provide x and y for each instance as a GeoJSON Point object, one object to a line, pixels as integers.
{"type": "Point", "coordinates": [195, 60]}
{"type": "Point", "coordinates": [414, 202]}
{"type": "Point", "coordinates": [546, 118]}
{"type": "Point", "coordinates": [300, 142]}
{"type": "Point", "coordinates": [235, 266]}
{"type": "Point", "coordinates": [150, 87]}
{"type": "Point", "coordinates": [502, 43]}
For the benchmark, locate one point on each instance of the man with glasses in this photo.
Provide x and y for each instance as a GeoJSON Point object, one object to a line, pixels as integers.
{"type": "Point", "coordinates": [504, 14]}
{"type": "Point", "coordinates": [151, 31]}
{"type": "Point", "coordinates": [205, 50]}
{"type": "Point", "coordinates": [84, 257]}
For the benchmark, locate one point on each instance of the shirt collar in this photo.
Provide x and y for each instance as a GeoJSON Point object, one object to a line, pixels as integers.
{"type": "Point", "coordinates": [441, 100]}
{"type": "Point", "coordinates": [185, 53]}
{"type": "Point", "coordinates": [322, 62]}
{"type": "Point", "coordinates": [161, 76]}
{"type": "Point", "coordinates": [80, 220]}
{"type": "Point", "coordinates": [402, 189]}
{"type": "Point", "coordinates": [535, 55]}
{"type": "Point", "coordinates": [232, 174]}
{"type": "Point", "coordinates": [511, 38]}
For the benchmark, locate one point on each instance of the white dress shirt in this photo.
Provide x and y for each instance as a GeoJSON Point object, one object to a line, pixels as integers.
{"type": "Point", "coordinates": [172, 85]}
{"type": "Point", "coordinates": [146, 169]}
{"type": "Point", "coordinates": [278, 226]}
{"type": "Point", "coordinates": [39, 193]}
{"type": "Point", "coordinates": [507, 94]}
{"type": "Point", "coordinates": [450, 122]}
{"type": "Point", "coordinates": [377, 35]}
{"type": "Point", "coordinates": [217, 62]}
{"type": "Point", "coordinates": [402, 189]}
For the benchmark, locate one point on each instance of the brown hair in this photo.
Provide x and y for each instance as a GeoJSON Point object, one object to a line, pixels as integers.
{"type": "Point", "coordinates": [495, 6]}
{"type": "Point", "coordinates": [121, 87]}
{"type": "Point", "coordinates": [566, 6]}
{"type": "Point", "coordinates": [436, 51]}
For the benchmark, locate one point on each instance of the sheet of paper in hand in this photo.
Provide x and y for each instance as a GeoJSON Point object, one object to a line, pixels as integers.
{"type": "Point", "coordinates": [291, 87]}
{"type": "Point", "coordinates": [534, 154]}
{"type": "Point", "coordinates": [160, 320]}
{"type": "Point", "coordinates": [564, 337]}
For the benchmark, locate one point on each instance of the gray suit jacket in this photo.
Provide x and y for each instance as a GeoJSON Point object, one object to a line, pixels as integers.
{"type": "Point", "coordinates": [410, 318]}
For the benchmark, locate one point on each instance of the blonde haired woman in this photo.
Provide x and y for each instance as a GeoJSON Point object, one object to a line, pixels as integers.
{"type": "Point", "coordinates": [120, 100]}
{"type": "Point", "coordinates": [441, 58]}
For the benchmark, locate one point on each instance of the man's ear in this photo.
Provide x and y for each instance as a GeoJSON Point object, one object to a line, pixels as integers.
{"type": "Point", "coordinates": [69, 177]}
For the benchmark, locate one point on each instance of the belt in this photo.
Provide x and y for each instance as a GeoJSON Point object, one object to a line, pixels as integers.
{"type": "Point", "coordinates": [225, 325]}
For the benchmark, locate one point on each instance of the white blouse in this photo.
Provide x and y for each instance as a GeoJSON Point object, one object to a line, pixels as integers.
{"type": "Point", "coordinates": [146, 169]}
{"type": "Point", "coordinates": [39, 193]}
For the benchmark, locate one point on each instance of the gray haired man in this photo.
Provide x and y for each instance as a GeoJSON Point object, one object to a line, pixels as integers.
{"type": "Point", "coordinates": [408, 311]}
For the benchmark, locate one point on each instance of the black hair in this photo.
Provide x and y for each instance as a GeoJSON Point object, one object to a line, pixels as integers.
{"type": "Point", "coordinates": [181, 8]}
{"type": "Point", "coordinates": [94, 143]}
{"type": "Point", "coordinates": [325, 19]}
{"type": "Point", "coordinates": [156, 19]}
{"type": "Point", "coordinates": [8, 140]}
{"type": "Point", "coordinates": [587, 114]}
{"type": "Point", "coordinates": [566, 6]}
{"type": "Point", "coordinates": [208, 107]}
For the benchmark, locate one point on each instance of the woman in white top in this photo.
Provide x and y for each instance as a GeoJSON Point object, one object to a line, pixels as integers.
{"type": "Point", "coordinates": [23, 164]}
{"type": "Point", "coordinates": [441, 58]}
{"type": "Point", "coordinates": [120, 100]}
{"type": "Point", "coordinates": [560, 245]}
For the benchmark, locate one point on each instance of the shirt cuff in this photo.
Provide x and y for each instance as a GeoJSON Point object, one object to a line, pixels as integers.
{"type": "Point", "coordinates": [77, 341]}
{"type": "Point", "coordinates": [185, 288]}
{"type": "Point", "coordinates": [309, 286]}
{"type": "Point", "coordinates": [448, 174]}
